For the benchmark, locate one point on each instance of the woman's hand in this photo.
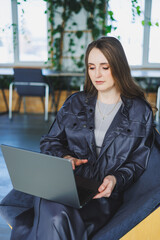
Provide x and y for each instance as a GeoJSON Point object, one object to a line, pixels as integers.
{"type": "Point", "coordinates": [75, 161]}
{"type": "Point", "coordinates": [106, 187]}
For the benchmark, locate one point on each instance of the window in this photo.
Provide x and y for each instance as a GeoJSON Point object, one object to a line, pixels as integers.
{"type": "Point", "coordinates": [154, 57]}
{"type": "Point", "coordinates": [140, 42]}
{"type": "Point", "coordinates": [127, 29]}
{"type": "Point", "coordinates": [32, 32]}
{"type": "Point", "coordinates": [23, 33]}
{"type": "Point", "coordinates": [6, 33]}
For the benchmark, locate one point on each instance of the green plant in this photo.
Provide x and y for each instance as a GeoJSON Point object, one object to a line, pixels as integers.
{"type": "Point", "coordinates": [96, 11]}
{"type": "Point", "coordinates": [136, 10]}
{"type": "Point", "coordinates": [99, 21]}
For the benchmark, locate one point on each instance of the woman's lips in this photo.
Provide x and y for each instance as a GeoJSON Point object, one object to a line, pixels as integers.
{"type": "Point", "coordinates": [99, 82]}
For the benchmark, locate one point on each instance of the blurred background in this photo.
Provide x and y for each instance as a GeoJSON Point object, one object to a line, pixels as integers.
{"type": "Point", "coordinates": [51, 36]}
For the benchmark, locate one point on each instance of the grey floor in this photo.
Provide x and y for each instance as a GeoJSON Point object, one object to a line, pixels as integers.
{"type": "Point", "coordinates": [22, 131]}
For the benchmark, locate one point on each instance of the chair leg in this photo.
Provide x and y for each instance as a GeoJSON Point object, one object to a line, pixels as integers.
{"type": "Point", "coordinates": [24, 104]}
{"type": "Point", "coordinates": [42, 100]}
{"type": "Point", "coordinates": [158, 105]}
{"type": "Point", "coordinates": [46, 102]}
{"type": "Point", "coordinates": [10, 100]}
{"type": "Point", "coordinates": [18, 104]}
{"type": "Point", "coordinates": [4, 97]}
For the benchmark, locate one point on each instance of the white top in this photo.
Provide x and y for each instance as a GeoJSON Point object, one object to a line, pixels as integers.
{"type": "Point", "coordinates": [104, 114]}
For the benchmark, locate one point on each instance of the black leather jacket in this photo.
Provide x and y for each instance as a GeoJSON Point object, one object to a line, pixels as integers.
{"type": "Point", "coordinates": [126, 146]}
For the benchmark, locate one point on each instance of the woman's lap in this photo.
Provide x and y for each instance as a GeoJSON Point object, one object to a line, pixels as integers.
{"type": "Point", "coordinates": [54, 221]}
{"type": "Point", "coordinates": [61, 222]}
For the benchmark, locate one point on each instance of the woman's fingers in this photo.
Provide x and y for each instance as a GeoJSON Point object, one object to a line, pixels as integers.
{"type": "Point", "coordinates": [106, 187]}
{"type": "Point", "coordinates": [73, 164]}
{"type": "Point", "coordinates": [104, 191]}
{"type": "Point", "coordinates": [78, 162]}
{"type": "Point", "coordinates": [75, 161]}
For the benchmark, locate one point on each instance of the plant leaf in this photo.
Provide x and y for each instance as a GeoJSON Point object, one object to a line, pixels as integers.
{"type": "Point", "coordinates": [79, 34]}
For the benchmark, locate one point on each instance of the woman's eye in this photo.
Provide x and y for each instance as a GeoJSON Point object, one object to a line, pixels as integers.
{"type": "Point", "coordinates": [91, 68]}
{"type": "Point", "coordinates": [105, 68]}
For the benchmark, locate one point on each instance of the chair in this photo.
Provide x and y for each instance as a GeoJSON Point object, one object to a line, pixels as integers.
{"type": "Point", "coordinates": [29, 82]}
{"type": "Point", "coordinates": [140, 201]}
{"type": "Point", "coordinates": [158, 105]}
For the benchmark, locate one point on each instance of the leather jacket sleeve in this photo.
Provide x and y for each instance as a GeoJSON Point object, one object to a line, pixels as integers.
{"type": "Point", "coordinates": [136, 163]}
{"type": "Point", "coordinates": [55, 142]}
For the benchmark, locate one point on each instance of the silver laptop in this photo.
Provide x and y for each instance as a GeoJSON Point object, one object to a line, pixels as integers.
{"type": "Point", "coordinates": [48, 177]}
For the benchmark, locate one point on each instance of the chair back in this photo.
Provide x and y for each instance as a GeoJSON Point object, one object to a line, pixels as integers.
{"type": "Point", "coordinates": [29, 75]}
{"type": "Point", "coordinates": [150, 179]}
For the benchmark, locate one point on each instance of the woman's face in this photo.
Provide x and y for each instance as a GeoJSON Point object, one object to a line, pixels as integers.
{"type": "Point", "coordinates": [99, 71]}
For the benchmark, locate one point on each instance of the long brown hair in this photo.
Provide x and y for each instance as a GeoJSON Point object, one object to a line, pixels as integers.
{"type": "Point", "coordinates": [114, 53]}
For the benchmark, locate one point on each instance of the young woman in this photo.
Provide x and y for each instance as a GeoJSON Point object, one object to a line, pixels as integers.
{"type": "Point", "coordinates": [106, 131]}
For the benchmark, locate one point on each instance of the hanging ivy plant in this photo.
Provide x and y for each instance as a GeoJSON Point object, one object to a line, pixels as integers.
{"type": "Point", "coordinates": [136, 10]}
{"type": "Point", "coordinates": [95, 22]}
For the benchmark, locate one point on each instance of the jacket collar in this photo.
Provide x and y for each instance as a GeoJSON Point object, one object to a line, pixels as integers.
{"type": "Point", "coordinates": [119, 123]}
{"type": "Point", "coordinates": [90, 101]}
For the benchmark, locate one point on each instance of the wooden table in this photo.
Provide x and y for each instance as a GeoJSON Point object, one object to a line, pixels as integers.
{"type": "Point", "coordinates": [49, 72]}
{"type": "Point", "coordinates": [145, 73]}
